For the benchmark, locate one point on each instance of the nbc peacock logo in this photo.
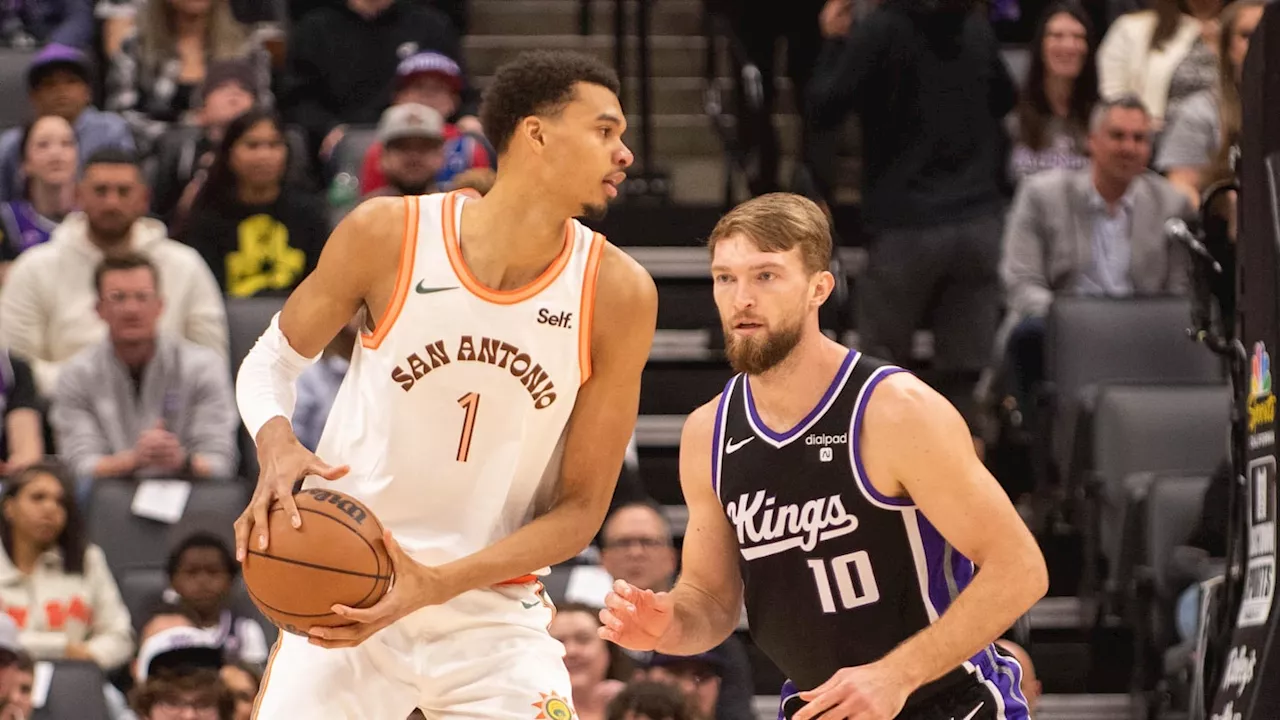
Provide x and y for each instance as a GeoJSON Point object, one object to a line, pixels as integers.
{"type": "Point", "coordinates": [1260, 372]}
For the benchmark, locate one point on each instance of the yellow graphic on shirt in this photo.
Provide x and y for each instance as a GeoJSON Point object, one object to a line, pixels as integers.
{"type": "Point", "coordinates": [264, 260]}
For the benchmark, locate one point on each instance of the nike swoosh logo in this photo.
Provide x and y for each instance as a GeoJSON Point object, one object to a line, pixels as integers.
{"type": "Point", "coordinates": [731, 447]}
{"type": "Point", "coordinates": [971, 712]}
{"type": "Point", "coordinates": [427, 290]}
{"type": "Point", "coordinates": [530, 605]}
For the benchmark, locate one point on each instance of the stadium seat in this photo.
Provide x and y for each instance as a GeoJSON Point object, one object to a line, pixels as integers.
{"type": "Point", "coordinates": [246, 319]}
{"type": "Point", "coordinates": [130, 541]}
{"type": "Point", "coordinates": [1097, 340]}
{"type": "Point", "coordinates": [75, 693]}
{"type": "Point", "coordinates": [13, 77]}
{"type": "Point", "coordinates": [1143, 429]}
{"type": "Point", "coordinates": [141, 588]}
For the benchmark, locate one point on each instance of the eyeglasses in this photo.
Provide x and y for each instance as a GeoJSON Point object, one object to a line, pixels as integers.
{"type": "Point", "coordinates": [119, 297]}
{"type": "Point", "coordinates": [644, 543]}
{"type": "Point", "coordinates": [187, 709]}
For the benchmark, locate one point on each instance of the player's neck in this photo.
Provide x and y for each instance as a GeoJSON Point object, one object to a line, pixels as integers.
{"type": "Point", "coordinates": [510, 218]}
{"type": "Point", "coordinates": [786, 394]}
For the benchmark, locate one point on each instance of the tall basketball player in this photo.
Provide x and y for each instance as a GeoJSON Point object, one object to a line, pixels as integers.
{"type": "Point", "coordinates": [842, 498]}
{"type": "Point", "coordinates": [484, 417]}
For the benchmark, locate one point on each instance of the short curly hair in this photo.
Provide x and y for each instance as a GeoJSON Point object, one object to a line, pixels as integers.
{"type": "Point", "coordinates": [537, 83]}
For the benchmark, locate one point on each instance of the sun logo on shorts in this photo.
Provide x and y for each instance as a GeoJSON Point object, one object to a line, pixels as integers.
{"type": "Point", "coordinates": [553, 707]}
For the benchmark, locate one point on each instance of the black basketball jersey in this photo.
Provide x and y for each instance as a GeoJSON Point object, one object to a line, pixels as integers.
{"type": "Point", "coordinates": [836, 574]}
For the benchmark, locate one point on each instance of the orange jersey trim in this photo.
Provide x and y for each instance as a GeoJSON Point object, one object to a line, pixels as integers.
{"type": "Point", "coordinates": [522, 580]}
{"type": "Point", "coordinates": [404, 278]}
{"type": "Point", "coordinates": [586, 313]}
{"type": "Point", "coordinates": [453, 248]}
{"type": "Point", "coordinates": [266, 677]}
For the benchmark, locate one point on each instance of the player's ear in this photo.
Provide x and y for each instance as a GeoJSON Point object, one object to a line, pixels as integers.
{"type": "Point", "coordinates": [822, 285]}
{"type": "Point", "coordinates": [534, 131]}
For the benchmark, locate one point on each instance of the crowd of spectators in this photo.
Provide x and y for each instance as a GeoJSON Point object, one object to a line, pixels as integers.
{"type": "Point", "coordinates": [180, 152]}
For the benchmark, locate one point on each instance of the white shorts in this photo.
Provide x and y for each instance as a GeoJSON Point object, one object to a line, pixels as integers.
{"type": "Point", "coordinates": [484, 654]}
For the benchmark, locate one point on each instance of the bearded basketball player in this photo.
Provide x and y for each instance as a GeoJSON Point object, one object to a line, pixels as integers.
{"type": "Point", "coordinates": [842, 498]}
{"type": "Point", "coordinates": [483, 419]}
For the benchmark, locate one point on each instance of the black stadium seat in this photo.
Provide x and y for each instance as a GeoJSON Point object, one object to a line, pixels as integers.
{"type": "Point", "coordinates": [75, 693]}
{"type": "Point", "coordinates": [247, 318]}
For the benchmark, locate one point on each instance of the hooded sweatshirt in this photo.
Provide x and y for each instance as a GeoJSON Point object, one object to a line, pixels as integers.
{"type": "Point", "coordinates": [48, 304]}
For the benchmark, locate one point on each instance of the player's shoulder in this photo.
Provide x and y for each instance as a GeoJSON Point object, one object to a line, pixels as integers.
{"type": "Point", "coordinates": [624, 277]}
{"type": "Point", "coordinates": [903, 402]}
{"type": "Point", "coordinates": [699, 426]}
{"type": "Point", "coordinates": [375, 230]}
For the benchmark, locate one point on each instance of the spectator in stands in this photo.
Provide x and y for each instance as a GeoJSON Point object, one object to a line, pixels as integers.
{"type": "Point", "coordinates": [163, 617]}
{"type": "Point", "coordinates": [431, 80]}
{"type": "Point", "coordinates": [597, 669]}
{"type": "Point", "coordinates": [53, 583]}
{"type": "Point", "coordinates": [636, 546]}
{"type": "Point", "coordinates": [183, 155]}
{"type": "Point", "coordinates": [1030, 685]}
{"type": "Point", "coordinates": [59, 82]}
{"type": "Point", "coordinates": [143, 403]}
{"type": "Point", "coordinates": [932, 163]}
{"type": "Point", "coordinates": [242, 681]}
{"type": "Point", "coordinates": [318, 385]}
{"type": "Point", "coordinates": [1094, 231]}
{"type": "Point", "coordinates": [645, 700]}
{"type": "Point", "coordinates": [324, 91]}
{"type": "Point", "coordinates": [259, 235]}
{"type": "Point", "coordinates": [178, 671]}
{"type": "Point", "coordinates": [48, 192]}
{"type": "Point", "coordinates": [152, 81]}
{"type": "Point", "coordinates": [47, 302]}
{"type": "Point", "coordinates": [1163, 55]}
{"type": "Point", "coordinates": [697, 676]}
{"type": "Point", "coordinates": [11, 655]}
{"type": "Point", "coordinates": [1195, 137]}
{"type": "Point", "coordinates": [201, 570]}
{"type": "Point", "coordinates": [21, 687]}
{"type": "Point", "coordinates": [479, 179]}
{"type": "Point", "coordinates": [22, 432]}
{"type": "Point", "coordinates": [413, 138]}
{"type": "Point", "coordinates": [28, 23]}
{"type": "Point", "coordinates": [1052, 115]}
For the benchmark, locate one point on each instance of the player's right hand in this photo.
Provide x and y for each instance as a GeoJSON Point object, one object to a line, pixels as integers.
{"type": "Point", "coordinates": [635, 618]}
{"type": "Point", "coordinates": [283, 462]}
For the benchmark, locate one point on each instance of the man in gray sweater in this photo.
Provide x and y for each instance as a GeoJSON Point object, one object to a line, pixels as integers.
{"type": "Point", "coordinates": [140, 403]}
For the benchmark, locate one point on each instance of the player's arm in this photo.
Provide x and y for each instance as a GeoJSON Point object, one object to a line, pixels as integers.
{"type": "Point", "coordinates": [357, 267]}
{"type": "Point", "coordinates": [704, 607]}
{"type": "Point", "coordinates": [603, 420]}
{"type": "Point", "coordinates": [927, 446]}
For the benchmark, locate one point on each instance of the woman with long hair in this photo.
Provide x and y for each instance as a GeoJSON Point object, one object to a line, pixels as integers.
{"type": "Point", "coordinates": [54, 584]}
{"type": "Point", "coordinates": [1198, 144]}
{"type": "Point", "coordinates": [49, 163]}
{"type": "Point", "coordinates": [1051, 119]}
{"type": "Point", "coordinates": [258, 234]}
{"type": "Point", "coordinates": [1163, 55]}
{"type": "Point", "coordinates": [597, 668]}
{"type": "Point", "coordinates": [154, 78]}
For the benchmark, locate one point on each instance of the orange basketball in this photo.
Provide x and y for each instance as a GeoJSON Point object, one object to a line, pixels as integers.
{"type": "Point", "coordinates": [337, 557]}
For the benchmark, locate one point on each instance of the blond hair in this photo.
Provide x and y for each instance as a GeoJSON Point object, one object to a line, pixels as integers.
{"type": "Point", "coordinates": [225, 38]}
{"type": "Point", "coordinates": [778, 222]}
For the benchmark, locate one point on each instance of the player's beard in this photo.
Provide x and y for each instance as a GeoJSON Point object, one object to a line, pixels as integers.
{"type": "Point", "coordinates": [594, 213]}
{"type": "Point", "coordinates": [756, 355]}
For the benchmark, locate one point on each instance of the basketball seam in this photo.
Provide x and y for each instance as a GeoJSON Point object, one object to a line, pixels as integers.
{"type": "Point", "coordinates": [376, 560]}
{"type": "Point", "coordinates": [315, 566]}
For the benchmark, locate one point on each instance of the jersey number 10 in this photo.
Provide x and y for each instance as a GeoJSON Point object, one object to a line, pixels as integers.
{"type": "Point", "coordinates": [855, 581]}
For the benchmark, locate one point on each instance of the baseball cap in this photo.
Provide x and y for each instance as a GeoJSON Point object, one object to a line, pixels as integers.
{"type": "Point", "coordinates": [179, 648]}
{"type": "Point", "coordinates": [410, 120]}
{"type": "Point", "coordinates": [54, 56]}
{"type": "Point", "coordinates": [430, 63]}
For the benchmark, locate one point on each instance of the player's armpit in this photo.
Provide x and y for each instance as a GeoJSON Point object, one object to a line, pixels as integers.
{"type": "Point", "coordinates": [708, 596]}
{"type": "Point", "coordinates": [915, 443]}
{"type": "Point", "coordinates": [358, 266]}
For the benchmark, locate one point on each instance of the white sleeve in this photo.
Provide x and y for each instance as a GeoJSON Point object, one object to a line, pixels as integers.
{"type": "Point", "coordinates": [266, 384]}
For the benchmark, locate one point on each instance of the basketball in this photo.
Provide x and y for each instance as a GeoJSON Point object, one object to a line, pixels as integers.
{"type": "Point", "coordinates": [337, 557]}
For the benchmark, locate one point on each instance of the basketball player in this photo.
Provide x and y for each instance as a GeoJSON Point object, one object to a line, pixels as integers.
{"type": "Point", "coordinates": [483, 419]}
{"type": "Point", "coordinates": [842, 498]}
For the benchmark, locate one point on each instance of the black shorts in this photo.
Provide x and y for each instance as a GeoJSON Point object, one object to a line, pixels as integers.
{"type": "Point", "coordinates": [972, 702]}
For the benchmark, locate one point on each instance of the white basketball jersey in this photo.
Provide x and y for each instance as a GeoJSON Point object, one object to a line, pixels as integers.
{"type": "Point", "coordinates": [453, 412]}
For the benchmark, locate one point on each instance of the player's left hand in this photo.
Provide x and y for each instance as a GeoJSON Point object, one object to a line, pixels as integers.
{"type": "Point", "coordinates": [413, 586]}
{"type": "Point", "coordinates": [866, 692]}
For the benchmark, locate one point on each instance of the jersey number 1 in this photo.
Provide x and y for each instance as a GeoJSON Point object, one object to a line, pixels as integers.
{"type": "Point", "coordinates": [854, 580]}
{"type": "Point", "coordinates": [471, 403]}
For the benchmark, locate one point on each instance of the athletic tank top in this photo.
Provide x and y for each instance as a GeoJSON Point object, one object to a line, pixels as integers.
{"type": "Point", "coordinates": [453, 411]}
{"type": "Point", "coordinates": [835, 574]}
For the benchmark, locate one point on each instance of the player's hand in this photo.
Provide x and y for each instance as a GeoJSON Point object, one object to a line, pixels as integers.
{"type": "Point", "coordinates": [413, 586]}
{"type": "Point", "coordinates": [283, 461]}
{"type": "Point", "coordinates": [866, 692]}
{"type": "Point", "coordinates": [635, 618]}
